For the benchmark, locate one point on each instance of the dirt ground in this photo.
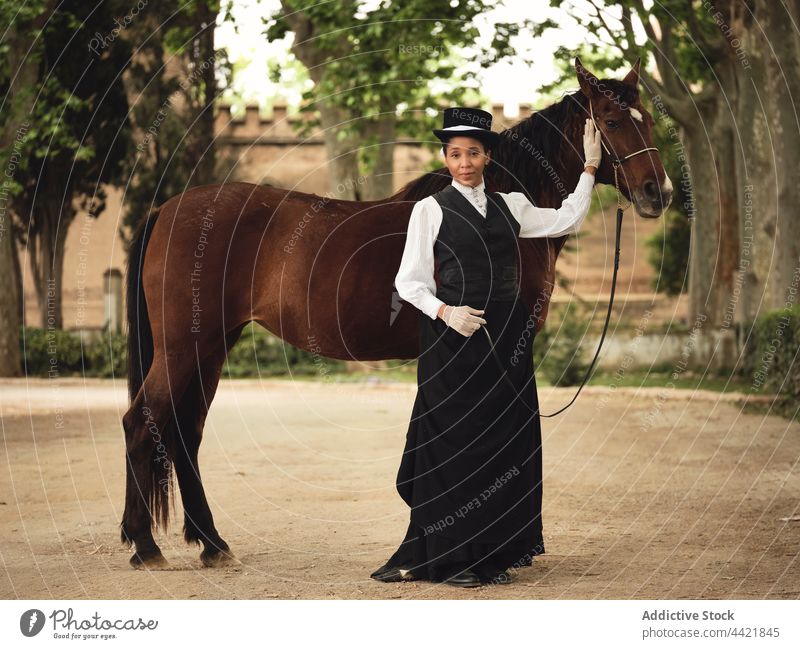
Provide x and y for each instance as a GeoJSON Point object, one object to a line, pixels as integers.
{"type": "Point", "coordinates": [648, 494]}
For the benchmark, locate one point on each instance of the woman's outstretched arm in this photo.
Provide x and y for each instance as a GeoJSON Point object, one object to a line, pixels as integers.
{"type": "Point", "coordinates": [550, 222]}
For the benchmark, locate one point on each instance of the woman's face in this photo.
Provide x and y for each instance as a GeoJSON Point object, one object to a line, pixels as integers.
{"type": "Point", "coordinates": [465, 159]}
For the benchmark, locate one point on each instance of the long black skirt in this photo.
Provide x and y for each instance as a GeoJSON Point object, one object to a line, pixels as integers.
{"type": "Point", "coordinates": [472, 466]}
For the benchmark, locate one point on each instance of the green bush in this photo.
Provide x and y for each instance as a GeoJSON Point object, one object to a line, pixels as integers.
{"type": "Point", "coordinates": [604, 197]}
{"type": "Point", "coordinates": [64, 353]}
{"type": "Point", "coordinates": [557, 350]}
{"type": "Point", "coordinates": [54, 352]}
{"type": "Point", "coordinates": [106, 355]}
{"type": "Point", "coordinates": [260, 353]}
{"type": "Point", "coordinates": [770, 355]}
{"type": "Point", "coordinates": [668, 250]}
{"type": "Point", "coordinates": [50, 352]}
{"type": "Point", "coordinates": [668, 254]}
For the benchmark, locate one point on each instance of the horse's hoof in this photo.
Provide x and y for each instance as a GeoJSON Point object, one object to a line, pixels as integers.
{"type": "Point", "coordinates": [154, 561]}
{"type": "Point", "coordinates": [215, 557]}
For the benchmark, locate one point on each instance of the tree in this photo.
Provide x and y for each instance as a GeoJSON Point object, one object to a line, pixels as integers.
{"type": "Point", "coordinates": [18, 73]}
{"type": "Point", "coordinates": [76, 139]}
{"type": "Point", "coordinates": [366, 65]}
{"type": "Point", "coordinates": [727, 73]}
{"type": "Point", "coordinates": [761, 37]}
{"type": "Point", "coordinates": [172, 86]}
{"type": "Point", "coordinates": [686, 87]}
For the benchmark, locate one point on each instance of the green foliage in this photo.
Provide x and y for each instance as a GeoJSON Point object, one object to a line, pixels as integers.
{"type": "Point", "coordinates": [557, 350]}
{"type": "Point", "coordinates": [668, 254]}
{"type": "Point", "coordinates": [383, 61]}
{"type": "Point", "coordinates": [106, 356]}
{"type": "Point", "coordinates": [604, 198]}
{"type": "Point", "coordinates": [611, 23]}
{"type": "Point", "coordinates": [668, 249]}
{"type": "Point", "coordinates": [260, 353]}
{"type": "Point", "coordinates": [55, 352]}
{"type": "Point", "coordinates": [70, 121]}
{"type": "Point", "coordinates": [602, 61]}
{"type": "Point", "coordinates": [771, 354]}
{"type": "Point", "coordinates": [75, 120]}
{"type": "Point", "coordinates": [173, 147]}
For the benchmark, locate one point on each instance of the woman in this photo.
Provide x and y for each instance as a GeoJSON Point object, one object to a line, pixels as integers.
{"type": "Point", "coordinates": [472, 470]}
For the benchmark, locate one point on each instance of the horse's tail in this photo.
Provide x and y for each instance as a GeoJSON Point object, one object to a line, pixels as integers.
{"type": "Point", "coordinates": [140, 358]}
{"type": "Point", "coordinates": [140, 336]}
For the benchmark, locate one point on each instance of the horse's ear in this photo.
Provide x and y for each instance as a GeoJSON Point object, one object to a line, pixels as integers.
{"type": "Point", "coordinates": [586, 79]}
{"type": "Point", "coordinates": [632, 78]}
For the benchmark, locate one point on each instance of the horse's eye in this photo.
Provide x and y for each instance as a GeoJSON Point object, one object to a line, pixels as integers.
{"type": "Point", "coordinates": [612, 123]}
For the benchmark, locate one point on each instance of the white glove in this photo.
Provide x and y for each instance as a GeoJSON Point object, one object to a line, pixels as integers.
{"type": "Point", "coordinates": [592, 148]}
{"type": "Point", "coordinates": [464, 319]}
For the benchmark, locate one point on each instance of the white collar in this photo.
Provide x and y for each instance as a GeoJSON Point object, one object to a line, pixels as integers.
{"type": "Point", "coordinates": [466, 189]}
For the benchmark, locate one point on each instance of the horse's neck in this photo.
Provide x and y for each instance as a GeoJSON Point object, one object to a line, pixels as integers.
{"type": "Point", "coordinates": [556, 177]}
{"type": "Point", "coordinates": [551, 191]}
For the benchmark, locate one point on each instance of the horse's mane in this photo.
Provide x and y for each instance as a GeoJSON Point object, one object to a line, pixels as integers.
{"type": "Point", "coordinates": [424, 186]}
{"type": "Point", "coordinates": [532, 150]}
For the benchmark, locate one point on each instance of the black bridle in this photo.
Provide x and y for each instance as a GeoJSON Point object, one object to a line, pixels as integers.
{"type": "Point", "coordinates": [616, 162]}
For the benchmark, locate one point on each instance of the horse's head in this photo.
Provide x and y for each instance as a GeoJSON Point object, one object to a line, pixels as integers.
{"type": "Point", "coordinates": [626, 127]}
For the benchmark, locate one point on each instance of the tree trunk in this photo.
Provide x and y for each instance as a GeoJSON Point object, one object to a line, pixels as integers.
{"type": "Point", "coordinates": [47, 260]}
{"type": "Point", "coordinates": [18, 279]}
{"type": "Point", "coordinates": [714, 247]}
{"type": "Point", "coordinates": [709, 172]}
{"type": "Point", "coordinates": [203, 57]}
{"type": "Point", "coordinates": [756, 190]}
{"type": "Point", "coordinates": [381, 182]}
{"type": "Point", "coordinates": [783, 90]}
{"type": "Point", "coordinates": [342, 154]}
{"type": "Point", "coordinates": [769, 158]}
{"type": "Point", "coordinates": [10, 361]}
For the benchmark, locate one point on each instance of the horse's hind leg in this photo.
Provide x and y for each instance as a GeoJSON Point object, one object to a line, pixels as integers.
{"type": "Point", "coordinates": [198, 524]}
{"type": "Point", "coordinates": [149, 449]}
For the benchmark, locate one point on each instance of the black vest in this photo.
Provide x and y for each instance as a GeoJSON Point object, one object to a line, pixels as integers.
{"type": "Point", "coordinates": [477, 255]}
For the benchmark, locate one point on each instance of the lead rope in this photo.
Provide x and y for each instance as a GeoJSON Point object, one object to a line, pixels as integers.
{"type": "Point", "coordinates": [616, 162]}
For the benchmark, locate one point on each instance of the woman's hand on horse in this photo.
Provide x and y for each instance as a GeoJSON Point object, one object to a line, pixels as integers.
{"type": "Point", "coordinates": [592, 148]}
{"type": "Point", "coordinates": [464, 319]}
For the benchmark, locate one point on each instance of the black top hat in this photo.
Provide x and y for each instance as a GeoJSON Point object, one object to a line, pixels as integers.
{"type": "Point", "coordinates": [472, 122]}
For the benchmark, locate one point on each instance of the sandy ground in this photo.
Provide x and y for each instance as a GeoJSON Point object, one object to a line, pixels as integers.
{"type": "Point", "coordinates": [648, 494]}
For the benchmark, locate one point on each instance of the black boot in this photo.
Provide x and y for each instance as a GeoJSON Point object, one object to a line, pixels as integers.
{"type": "Point", "coordinates": [463, 578]}
{"type": "Point", "coordinates": [390, 574]}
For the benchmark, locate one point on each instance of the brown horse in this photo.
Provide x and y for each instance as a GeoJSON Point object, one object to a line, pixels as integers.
{"type": "Point", "coordinates": [318, 272]}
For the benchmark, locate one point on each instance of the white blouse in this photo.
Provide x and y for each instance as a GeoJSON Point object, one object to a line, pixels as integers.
{"type": "Point", "coordinates": [414, 280]}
